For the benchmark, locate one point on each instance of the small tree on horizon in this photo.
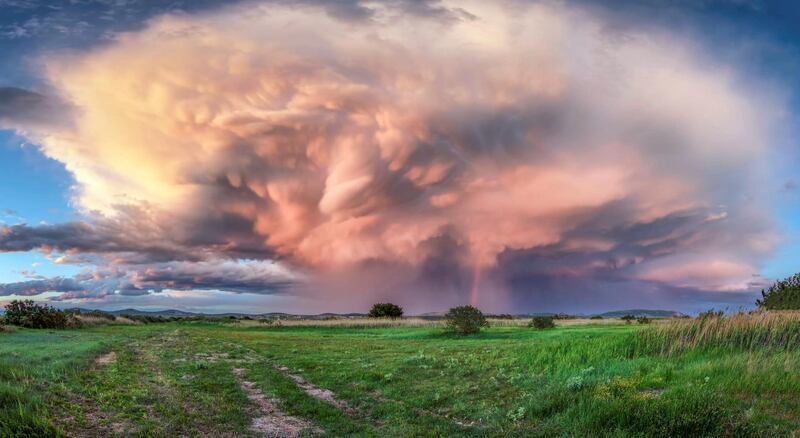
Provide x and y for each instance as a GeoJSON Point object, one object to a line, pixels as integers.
{"type": "Point", "coordinates": [465, 320]}
{"type": "Point", "coordinates": [385, 310]}
{"type": "Point", "coordinates": [542, 322]}
{"type": "Point", "coordinates": [782, 295]}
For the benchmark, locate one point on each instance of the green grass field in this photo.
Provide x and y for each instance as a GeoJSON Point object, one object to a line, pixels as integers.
{"type": "Point", "coordinates": [216, 379]}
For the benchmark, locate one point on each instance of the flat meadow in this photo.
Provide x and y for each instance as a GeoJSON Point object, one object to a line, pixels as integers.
{"type": "Point", "coordinates": [716, 376]}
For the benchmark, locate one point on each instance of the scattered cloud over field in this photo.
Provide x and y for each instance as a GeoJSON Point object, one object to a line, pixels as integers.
{"type": "Point", "coordinates": [233, 276]}
{"type": "Point", "coordinates": [501, 154]}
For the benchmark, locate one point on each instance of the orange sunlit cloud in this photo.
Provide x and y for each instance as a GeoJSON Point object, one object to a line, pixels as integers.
{"type": "Point", "coordinates": [284, 133]}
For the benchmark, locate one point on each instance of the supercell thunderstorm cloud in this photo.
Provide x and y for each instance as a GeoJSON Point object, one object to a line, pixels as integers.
{"type": "Point", "coordinates": [519, 157]}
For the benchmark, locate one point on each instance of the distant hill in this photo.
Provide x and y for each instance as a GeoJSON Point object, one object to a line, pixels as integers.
{"type": "Point", "coordinates": [642, 312]}
{"type": "Point", "coordinates": [428, 315]}
{"type": "Point", "coordinates": [135, 312]}
{"type": "Point", "coordinates": [173, 313]}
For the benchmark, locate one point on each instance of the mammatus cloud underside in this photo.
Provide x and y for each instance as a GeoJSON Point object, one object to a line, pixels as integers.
{"type": "Point", "coordinates": [503, 154]}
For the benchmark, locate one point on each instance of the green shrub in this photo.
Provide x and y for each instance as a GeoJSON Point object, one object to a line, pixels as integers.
{"type": "Point", "coordinates": [628, 318]}
{"type": "Point", "coordinates": [711, 314]}
{"type": "Point", "coordinates": [643, 320]}
{"type": "Point", "coordinates": [542, 322]}
{"type": "Point", "coordinates": [783, 295]}
{"type": "Point", "coordinates": [28, 314]}
{"type": "Point", "coordinates": [465, 320]}
{"type": "Point", "coordinates": [100, 314]}
{"type": "Point", "coordinates": [385, 310]}
{"type": "Point", "coordinates": [153, 319]}
{"type": "Point", "coordinates": [596, 317]}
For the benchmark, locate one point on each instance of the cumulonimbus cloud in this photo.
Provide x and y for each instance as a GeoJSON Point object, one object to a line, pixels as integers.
{"type": "Point", "coordinates": [28, 109]}
{"type": "Point", "coordinates": [519, 140]}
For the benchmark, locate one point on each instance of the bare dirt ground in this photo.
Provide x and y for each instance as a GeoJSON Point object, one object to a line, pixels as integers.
{"type": "Point", "coordinates": [318, 393]}
{"type": "Point", "coordinates": [106, 359]}
{"type": "Point", "coordinates": [273, 422]}
{"type": "Point", "coordinates": [97, 422]}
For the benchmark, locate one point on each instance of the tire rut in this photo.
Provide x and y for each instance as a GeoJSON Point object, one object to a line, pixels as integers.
{"type": "Point", "coordinates": [273, 422]}
{"type": "Point", "coordinates": [316, 392]}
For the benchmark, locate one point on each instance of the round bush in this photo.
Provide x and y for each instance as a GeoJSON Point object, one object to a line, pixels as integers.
{"type": "Point", "coordinates": [542, 322]}
{"type": "Point", "coordinates": [783, 295]}
{"type": "Point", "coordinates": [385, 310]}
{"type": "Point", "coordinates": [465, 320]}
{"type": "Point", "coordinates": [628, 319]}
{"type": "Point", "coordinates": [29, 314]}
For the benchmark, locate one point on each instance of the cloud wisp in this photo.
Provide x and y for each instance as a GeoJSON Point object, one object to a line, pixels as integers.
{"type": "Point", "coordinates": [433, 161]}
{"type": "Point", "coordinates": [237, 277]}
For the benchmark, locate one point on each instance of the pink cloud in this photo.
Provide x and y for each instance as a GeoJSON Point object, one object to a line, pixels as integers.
{"type": "Point", "coordinates": [289, 134]}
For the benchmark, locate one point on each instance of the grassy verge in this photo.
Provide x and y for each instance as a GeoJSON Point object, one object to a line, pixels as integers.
{"type": "Point", "coordinates": [521, 382]}
{"type": "Point", "coordinates": [594, 380]}
{"type": "Point", "coordinates": [34, 366]}
{"type": "Point", "coordinates": [777, 331]}
{"type": "Point", "coordinates": [166, 384]}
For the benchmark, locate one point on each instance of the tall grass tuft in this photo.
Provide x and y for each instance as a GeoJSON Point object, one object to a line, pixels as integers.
{"type": "Point", "coordinates": [776, 331]}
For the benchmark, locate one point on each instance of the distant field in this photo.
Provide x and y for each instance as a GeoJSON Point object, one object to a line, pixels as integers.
{"type": "Point", "coordinates": [248, 379]}
{"type": "Point", "coordinates": [414, 322]}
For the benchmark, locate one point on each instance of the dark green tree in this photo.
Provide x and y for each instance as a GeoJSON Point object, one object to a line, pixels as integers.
{"type": "Point", "coordinates": [385, 310]}
{"type": "Point", "coordinates": [465, 320]}
{"type": "Point", "coordinates": [782, 295]}
{"type": "Point", "coordinates": [542, 322]}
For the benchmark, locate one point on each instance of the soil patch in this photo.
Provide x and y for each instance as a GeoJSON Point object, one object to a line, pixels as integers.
{"type": "Point", "coordinates": [106, 359]}
{"type": "Point", "coordinates": [318, 393]}
{"type": "Point", "coordinates": [273, 422]}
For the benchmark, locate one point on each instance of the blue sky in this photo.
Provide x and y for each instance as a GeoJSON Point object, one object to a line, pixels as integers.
{"type": "Point", "coordinates": [33, 187]}
{"type": "Point", "coordinates": [44, 198]}
{"type": "Point", "coordinates": [758, 41]}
